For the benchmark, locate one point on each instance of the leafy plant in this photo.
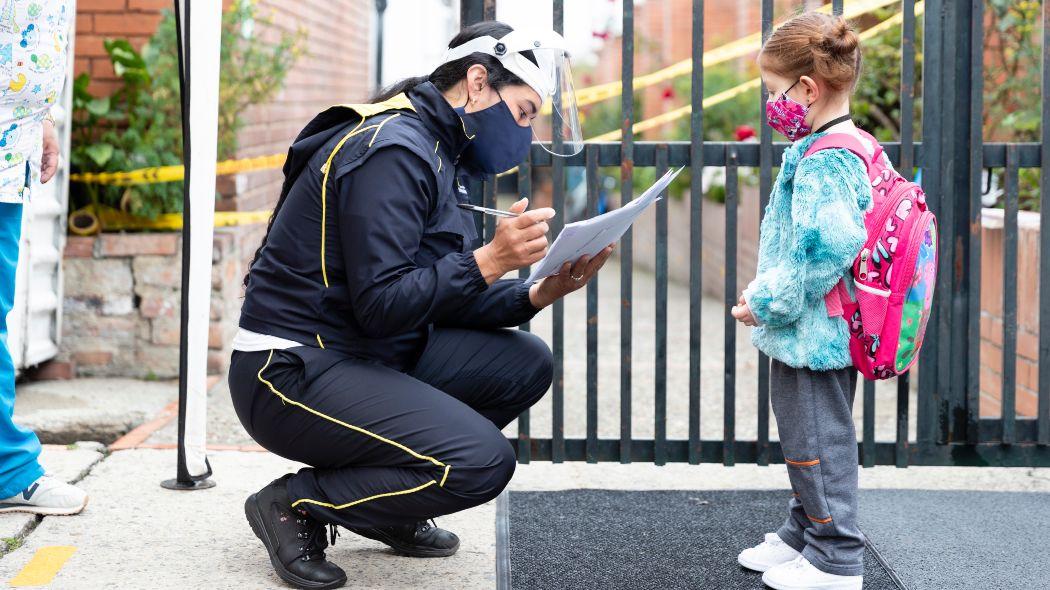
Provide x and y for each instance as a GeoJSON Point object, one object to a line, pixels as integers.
{"type": "Point", "coordinates": [139, 125]}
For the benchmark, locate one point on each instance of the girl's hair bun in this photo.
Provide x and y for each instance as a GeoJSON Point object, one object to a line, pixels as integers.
{"type": "Point", "coordinates": [840, 39]}
{"type": "Point", "coordinates": [818, 45]}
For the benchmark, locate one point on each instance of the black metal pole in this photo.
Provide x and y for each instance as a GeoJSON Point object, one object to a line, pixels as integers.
{"type": "Point", "coordinates": [380, 9]}
{"type": "Point", "coordinates": [183, 480]}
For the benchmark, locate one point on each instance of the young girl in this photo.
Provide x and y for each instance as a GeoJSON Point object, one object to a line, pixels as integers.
{"type": "Point", "coordinates": [811, 233]}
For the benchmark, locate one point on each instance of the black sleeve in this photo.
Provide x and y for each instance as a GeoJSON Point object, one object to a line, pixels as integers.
{"type": "Point", "coordinates": [504, 304]}
{"type": "Point", "coordinates": [383, 211]}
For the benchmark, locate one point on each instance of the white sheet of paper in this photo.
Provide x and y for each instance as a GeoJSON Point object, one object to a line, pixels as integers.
{"type": "Point", "coordinates": [589, 236]}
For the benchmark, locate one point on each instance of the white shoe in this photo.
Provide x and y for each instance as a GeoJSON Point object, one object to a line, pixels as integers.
{"type": "Point", "coordinates": [47, 495]}
{"type": "Point", "coordinates": [771, 552]}
{"type": "Point", "coordinates": [799, 574]}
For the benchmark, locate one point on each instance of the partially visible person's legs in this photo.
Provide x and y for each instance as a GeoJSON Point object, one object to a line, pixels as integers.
{"type": "Point", "coordinates": [815, 420]}
{"type": "Point", "coordinates": [500, 373]}
{"type": "Point", "coordinates": [19, 447]}
{"type": "Point", "coordinates": [23, 485]}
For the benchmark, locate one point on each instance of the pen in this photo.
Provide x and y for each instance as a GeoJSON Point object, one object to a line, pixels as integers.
{"type": "Point", "coordinates": [487, 211]}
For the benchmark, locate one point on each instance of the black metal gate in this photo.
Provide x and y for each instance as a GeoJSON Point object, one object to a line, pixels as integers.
{"type": "Point", "coordinates": [952, 157]}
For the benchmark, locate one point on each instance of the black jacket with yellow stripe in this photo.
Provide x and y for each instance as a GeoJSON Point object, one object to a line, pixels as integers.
{"type": "Point", "coordinates": [369, 250]}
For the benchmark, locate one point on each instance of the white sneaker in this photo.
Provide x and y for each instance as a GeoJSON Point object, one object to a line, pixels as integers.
{"type": "Point", "coordinates": [47, 495]}
{"type": "Point", "coordinates": [799, 574]}
{"type": "Point", "coordinates": [771, 552]}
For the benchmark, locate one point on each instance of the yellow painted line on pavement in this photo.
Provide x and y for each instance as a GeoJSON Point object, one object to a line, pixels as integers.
{"type": "Point", "coordinates": [44, 566]}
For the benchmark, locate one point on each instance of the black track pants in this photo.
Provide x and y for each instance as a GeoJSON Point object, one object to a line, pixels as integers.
{"type": "Point", "coordinates": [386, 447]}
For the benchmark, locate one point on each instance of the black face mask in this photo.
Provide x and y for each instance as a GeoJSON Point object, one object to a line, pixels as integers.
{"type": "Point", "coordinates": [499, 143]}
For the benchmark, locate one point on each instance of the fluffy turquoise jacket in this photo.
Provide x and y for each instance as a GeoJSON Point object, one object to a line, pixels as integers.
{"type": "Point", "coordinates": [812, 231]}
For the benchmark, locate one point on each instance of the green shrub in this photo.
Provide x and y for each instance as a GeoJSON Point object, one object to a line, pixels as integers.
{"type": "Point", "coordinates": [139, 125]}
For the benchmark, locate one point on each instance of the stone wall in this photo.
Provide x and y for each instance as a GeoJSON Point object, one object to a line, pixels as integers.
{"type": "Point", "coordinates": [122, 299]}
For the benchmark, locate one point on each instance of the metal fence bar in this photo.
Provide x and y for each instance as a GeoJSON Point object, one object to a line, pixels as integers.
{"type": "Point", "coordinates": [558, 308]}
{"type": "Point", "coordinates": [729, 391]}
{"type": "Point", "coordinates": [1044, 244]}
{"type": "Point", "coordinates": [592, 317]}
{"type": "Point", "coordinates": [868, 446]}
{"type": "Point", "coordinates": [660, 362]}
{"type": "Point", "coordinates": [907, 160]}
{"type": "Point", "coordinates": [1009, 383]}
{"type": "Point", "coordinates": [626, 254]}
{"type": "Point", "coordinates": [765, 182]}
{"type": "Point", "coordinates": [929, 357]}
{"type": "Point", "coordinates": [696, 226]}
{"type": "Point", "coordinates": [836, 7]}
{"type": "Point", "coordinates": [525, 191]}
{"type": "Point", "coordinates": [901, 449]}
{"type": "Point", "coordinates": [973, 280]}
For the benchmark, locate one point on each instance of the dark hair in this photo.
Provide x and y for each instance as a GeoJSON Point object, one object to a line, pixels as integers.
{"type": "Point", "coordinates": [815, 44]}
{"type": "Point", "coordinates": [444, 77]}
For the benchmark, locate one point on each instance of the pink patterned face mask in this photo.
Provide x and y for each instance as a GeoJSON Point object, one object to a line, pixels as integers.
{"type": "Point", "coordinates": [787, 116]}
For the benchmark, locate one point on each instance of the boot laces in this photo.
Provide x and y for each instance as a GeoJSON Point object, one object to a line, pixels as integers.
{"type": "Point", "coordinates": [425, 525]}
{"type": "Point", "coordinates": [313, 536]}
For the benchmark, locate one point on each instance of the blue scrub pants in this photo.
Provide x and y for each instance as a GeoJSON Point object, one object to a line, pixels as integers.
{"type": "Point", "coordinates": [19, 447]}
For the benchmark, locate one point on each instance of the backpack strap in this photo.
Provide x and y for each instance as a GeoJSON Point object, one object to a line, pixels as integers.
{"type": "Point", "coordinates": [848, 142]}
{"type": "Point", "coordinates": [839, 293]}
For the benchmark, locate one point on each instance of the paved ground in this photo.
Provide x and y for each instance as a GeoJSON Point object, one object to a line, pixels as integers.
{"type": "Point", "coordinates": [135, 534]}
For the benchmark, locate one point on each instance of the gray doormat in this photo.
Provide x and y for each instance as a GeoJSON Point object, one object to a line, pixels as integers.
{"type": "Point", "coordinates": [642, 540]}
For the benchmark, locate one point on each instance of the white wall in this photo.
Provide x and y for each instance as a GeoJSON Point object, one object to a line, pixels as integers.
{"type": "Point", "coordinates": [415, 35]}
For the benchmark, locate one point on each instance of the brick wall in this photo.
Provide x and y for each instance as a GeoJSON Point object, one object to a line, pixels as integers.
{"type": "Point", "coordinates": [334, 69]}
{"type": "Point", "coordinates": [1027, 273]}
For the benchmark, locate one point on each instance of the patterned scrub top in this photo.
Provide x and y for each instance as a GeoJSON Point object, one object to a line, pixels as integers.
{"type": "Point", "coordinates": [34, 35]}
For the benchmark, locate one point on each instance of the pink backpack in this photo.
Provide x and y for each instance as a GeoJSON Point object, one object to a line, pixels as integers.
{"type": "Point", "coordinates": [895, 272]}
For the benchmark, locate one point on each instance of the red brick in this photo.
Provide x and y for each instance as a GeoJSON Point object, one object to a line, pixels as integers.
{"type": "Point", "coordinates": [85, 24]}
{"type": "Point", "coordinates": [101, 67]}
{"type": "Point", "coordinates": [96, 358]}
{"type": "Point", "coordinates": [991, 356]}
{"type": "Point", "coordinates": [149, 5]}
{"type": "Point", "coordinates": [80, 66]}
{"type": "Point", "coordinates": [1027, 403]}
{"type": "Point", "coordinates": [101, 5]}
{"type": "Point", "coordinates": [91, 46]}
{"type": "Point", "coordinates": [79, 247]}
{"type": "Point", "coordinates": [126, 24]}
{"type": "Point", "coordinates": [990, 406]}
{"type": "Point", "coordinates": [163, 244]}
{"type": "Point", "coordinates": [155, 306]}
{"type": "Point", "coordinates": [54, 370]}
{"type": "Point", "coordinates": [1028, 345]}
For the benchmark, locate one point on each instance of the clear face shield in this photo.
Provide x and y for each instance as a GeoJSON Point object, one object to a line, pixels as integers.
{"type": "Point", "coordinates": [557, 125]}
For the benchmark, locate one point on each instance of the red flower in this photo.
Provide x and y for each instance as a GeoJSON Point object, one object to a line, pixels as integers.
{"type": "Point", "coordinates": [668, 93]}
{"type": "Point", "coordinates": [744, 132]}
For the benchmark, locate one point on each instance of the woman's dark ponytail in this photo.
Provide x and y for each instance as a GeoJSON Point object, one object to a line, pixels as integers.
{"type": "Point", "coordinates": [444, 77]}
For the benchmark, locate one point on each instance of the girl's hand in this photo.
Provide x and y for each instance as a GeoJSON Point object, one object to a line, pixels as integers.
{"type": "Point", "coordinates": [742, 313]}
{"type": "Point", "coordinates": [569, 278]}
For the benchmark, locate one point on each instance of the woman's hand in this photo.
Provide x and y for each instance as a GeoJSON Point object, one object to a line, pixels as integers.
{"type": "Point", "coordinates": [570, 278]}
{"type": "Point", "coordinates": [49, 159]}
{"type": "Point", "coordinates": [742, 313]}
{"type": "Point", "coordinates": [518, 242]}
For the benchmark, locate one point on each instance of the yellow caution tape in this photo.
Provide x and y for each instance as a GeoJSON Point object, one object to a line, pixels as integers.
{"type": "Point", "coordinates": [175, 173]}
{"type": "Point", "coordinates": [89, 220]}
{"type": "Point", "coordinates": [735, 91]}
{"type": "Point", "coordinates": [734, 49]}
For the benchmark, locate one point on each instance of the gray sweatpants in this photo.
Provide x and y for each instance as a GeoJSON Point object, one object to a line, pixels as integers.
{"type": "Point", "coordinates": [815, 419]}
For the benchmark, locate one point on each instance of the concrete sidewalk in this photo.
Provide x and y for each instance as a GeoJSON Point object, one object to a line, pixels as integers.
{"type": "Point", "coordinates": [134, 534]}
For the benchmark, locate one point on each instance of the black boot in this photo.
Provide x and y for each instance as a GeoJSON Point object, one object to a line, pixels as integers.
{"type": "Point", "coordinates": [294, 540]}
{"type": "Point", "coordinates": [422, 539]}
